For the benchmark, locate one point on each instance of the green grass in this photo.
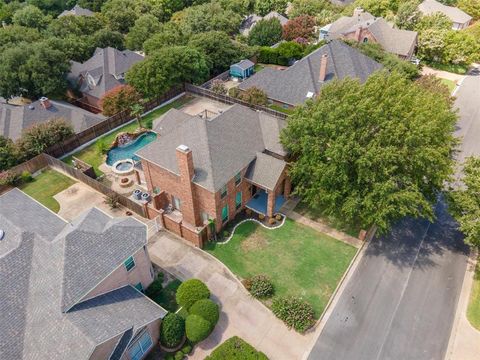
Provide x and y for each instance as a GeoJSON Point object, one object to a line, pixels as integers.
{"type": "Point", "coordinates": [450, 84]}
{"type": "Point", "coordinates": [166, 298]}
{"type": "Point", "coordinates": [258, 67]}
{"type": "Point", "coordinates": [92, 154]}
{"type": "Point", "coordinates": [299, 260]}
{"type": "Point", "coordinates": [453, 68]}
{"type": "Point", "coordinates": [281, 109]}
{"type": "Point", "coordinates": [473, 311]}
{"type": "Point", "coordinates": [44, 186]}
{"type": "Point", "coordinates": [332, 221]}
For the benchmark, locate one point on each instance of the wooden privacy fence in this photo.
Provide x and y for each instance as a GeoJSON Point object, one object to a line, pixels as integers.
{"type": "Point", "coordinates": [110, 123]}
{"type": "Point", "coordinates": [105, 190]}
{"type": "Point", "coordinates": [231, 100]}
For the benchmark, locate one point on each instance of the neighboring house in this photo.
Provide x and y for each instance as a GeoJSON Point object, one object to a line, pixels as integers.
{"type": "Point", "coordinates": [77, 11]}
{"type": "Point", "coordinates": [304, 80]}
{"type": "Point", "coordinates": [104, 71]}
{"type": "Point", "coordinates": [251, 20]}
{"type": "Point", "coordinates": [209, 169]}
{"type": "Point", "coordinates": [460, 19]}
{"type": "Point", "coordinates": [73, 290]}
{"type": "Point", "coordinates": [16, 118]}
{"type": "Point", "coordinates": [364, 27]}
{"type": "Point", "coordinates": [242, 69]}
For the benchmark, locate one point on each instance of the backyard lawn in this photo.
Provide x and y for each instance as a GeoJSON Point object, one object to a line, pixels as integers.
{"type": "Point", "coordinates": [299, 260]}
{"type": "Point", "coordinates": [473, 312]}
{"type": "Point", "coordinates": [280, 109]}
{"type": "Point", "coordinates": [92, 154]}
{"type": "Point", "coordinates": [44, 186]}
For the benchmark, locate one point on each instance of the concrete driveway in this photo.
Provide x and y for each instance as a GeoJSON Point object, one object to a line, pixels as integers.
{"type": "Point", "coordinates": [400, 302]}
{"type": "Point", "coordinates": [241, 314]}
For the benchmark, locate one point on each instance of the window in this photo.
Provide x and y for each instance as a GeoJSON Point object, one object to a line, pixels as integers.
{"type": "Point", "coordinates": [365, 40]}
{"type": "Point", "coordinates": [129, 263]}
{"type": "Point", "coordinates": [141, 346]}
{"type": "Point", "coordinates": [238, 179]}
{"type": "Point", "coordinates": [139, 287]}
{"type": "Point", "coordinates": [205, 217]}
{"type": "Point", "coordinates": [225, 214]}
{"type": "Point", "coordinates": [176, 202]}
{"type": "Point", "coordinates": [223, 192]}
{"type": "Point", "coordinates": [238, 200]}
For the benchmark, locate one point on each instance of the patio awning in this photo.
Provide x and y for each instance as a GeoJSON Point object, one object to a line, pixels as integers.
{"type": "Point", "coordinates": [259, 203]}
{"type": "Point", "coordinates": [265, 171]}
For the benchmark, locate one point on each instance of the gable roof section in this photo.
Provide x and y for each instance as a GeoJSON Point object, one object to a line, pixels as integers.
{"type": "Point", "coordinates": [292, 85]}
{"type": "Point", "coordinates": [221, 146]}
{"type": "Point", "coordinates": [395, 41]}
{"type": "Point", "coordinates": [33, 257]}
{"type": "Point", "coordinates": [106, 68]}
{"type": "Point", "coordinates": [265, 171]}
{"type": "Point", "coordinates": [14, 119]}
{"type": "Point", "coordinates": [251, 20]}
{"type": "Point", "coordinates": [429, 7]}
{"type": "Point", "coordinates": [244, 64]}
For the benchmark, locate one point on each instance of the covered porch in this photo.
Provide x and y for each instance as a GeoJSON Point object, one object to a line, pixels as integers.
{"type": "Point", "coordinates": [259, 202]}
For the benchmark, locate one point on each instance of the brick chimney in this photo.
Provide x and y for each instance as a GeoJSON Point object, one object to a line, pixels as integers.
{"type": "Point", "coordinates": [323, 68]}
{"type": "Point", "coordinates": [358, 33]}
{"type": "Point", "coordinates": [45, 102]}
{"type": "Point", "coordinates": [187, 172]}
{"type": "Point", "coordinates": [185, 162]}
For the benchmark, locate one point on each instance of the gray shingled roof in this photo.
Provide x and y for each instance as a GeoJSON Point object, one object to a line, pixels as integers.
{"type": "Point", "coordinates": [265, 171]}
{"type": "Point", "coordinates": [221, 146]}
{"type": "Point", "coordinates": [251, 20]}
{"type": "Point", "coordinates": [14, 119]}
{"type": "Point", "coordinates": [77, 11]}
{"type": "Point", "coordinates": [245, 64]}
{"type": "Point", "coordinates": [34, 257]}
{"type": "Point", "coordinates": [103, 71]}
{"type": "Point", "coordinates": [292, 85]}
{"type": "Point", "coordinates": [429, 7]}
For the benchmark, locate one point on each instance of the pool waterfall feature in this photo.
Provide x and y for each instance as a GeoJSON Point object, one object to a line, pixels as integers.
{"type": "Point", "coordinates": [121, 157]}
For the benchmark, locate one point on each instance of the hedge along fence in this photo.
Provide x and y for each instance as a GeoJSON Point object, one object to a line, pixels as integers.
{"type": "Point", "coordinates": [109, 124]}
{"type": "Point", "coordinates": [33, 165]}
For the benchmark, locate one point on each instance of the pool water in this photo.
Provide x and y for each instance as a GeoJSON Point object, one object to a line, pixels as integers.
{"type": "Point", "coordinates": [128, 151]}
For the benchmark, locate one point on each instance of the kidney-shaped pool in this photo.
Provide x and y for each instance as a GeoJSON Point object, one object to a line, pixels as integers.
{"type": "Point", "coordinates": [128, 151]}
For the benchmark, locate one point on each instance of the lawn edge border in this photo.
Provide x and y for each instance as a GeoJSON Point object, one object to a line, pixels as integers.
{"type": "Point", "coordinates": [322, 320]}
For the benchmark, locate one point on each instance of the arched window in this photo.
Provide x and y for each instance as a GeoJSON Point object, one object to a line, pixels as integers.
{"type": "Point", "coordinates": [365, 39]}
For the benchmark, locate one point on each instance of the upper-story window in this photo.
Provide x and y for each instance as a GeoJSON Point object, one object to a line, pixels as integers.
{"type": "Point", "coordinates": [238, 179]}
{"type": "Point", "coordinates": [176, 203]}
{"type": "Point", "coordinates": [223, 192]}
{"type": "Point", "coordinates": [129, 263]}
{"type": "Point", "coordinates": [141, 346]}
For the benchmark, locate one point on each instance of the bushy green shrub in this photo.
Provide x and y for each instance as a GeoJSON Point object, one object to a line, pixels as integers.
{"type": "Point", "coordinates": [207, 309]}
{"type": "Point", "coordinates": [169, 357]}
{"type": "Point", "coordinates": [197, 328]}
{"type": "Point", "coordinates": [190, 292]}
{"type": "Point", "coordinates": [236, 349]}
{"type": "Point", "coordinates": [179, 355]}
{"type": "Point", "coordinates": [294, 312]}
{"type": "Point", "coordinates": [187, 349]}
{"type": "Point", "coordinates": [26, 177]}
{"type": "Point", "coordinates": [155, 287]}
{"type": "Point", "coordinates": [261, 287]}
{"type": "Point", "coordinates": [8, 178]}
{"type": "Point", "coordinates": [172, 330]}
{"type": "Point", "coordinates": [102, 146]}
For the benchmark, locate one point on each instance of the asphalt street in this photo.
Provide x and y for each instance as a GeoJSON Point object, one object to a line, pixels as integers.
{"type": "Point", "coordinates": [400, 302]}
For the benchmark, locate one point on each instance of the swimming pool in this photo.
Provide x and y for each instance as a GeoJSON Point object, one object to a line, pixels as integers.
{"type": "Point", "coordinates": [127, 151]}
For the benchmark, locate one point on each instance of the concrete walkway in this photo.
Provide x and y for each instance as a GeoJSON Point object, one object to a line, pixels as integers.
{"type": "Point", "coordinates": [241, 314]}
{"type": "Point", "coordinates": [442, 74]}
{"type": "Point", "coordinates": [465, 339]}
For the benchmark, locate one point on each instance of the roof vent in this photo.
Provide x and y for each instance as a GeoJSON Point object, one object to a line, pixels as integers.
{"type": "Point", "coordinates": [31, 107]}
{"type": "Point", "coordinates": [183, 148]}
{"type": "Point", "coordinates": [2, 234]}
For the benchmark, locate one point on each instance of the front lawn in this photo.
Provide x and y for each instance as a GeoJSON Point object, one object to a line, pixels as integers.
{"type": "Point", "coordinates": [92, 154]}
{"type": "Point", "coordinates": [450, 84]}
{"type": "Point", "coordinates": [473, 312]}
{"type": "Point", "coordinates": [44, 186]}
{"type": "Point", "coordinates": [299, 260]}
{"type": "Point", "coordinates": [453, 68]}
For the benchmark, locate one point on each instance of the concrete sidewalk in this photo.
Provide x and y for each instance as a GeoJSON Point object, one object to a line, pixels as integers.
{"type": "Point", "coordinates": [241, 314]}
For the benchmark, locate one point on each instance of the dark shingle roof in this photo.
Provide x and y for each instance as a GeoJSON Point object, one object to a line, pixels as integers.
{"type": "Point", "coordinates": [14, 119]}
{"type": "Point", "coordinates": [221, 146]}
{"type": "Point", "coordinates": [35, 255]}
{"type": "Point", "coordinates": [245, 64]}
{"type": "Point", "coordinates": [265, 171]}
{"type": "Point", "coordinates": [103, 71]}
{"type": "Point", "coordinates": [293, 85]}
{"type": "Point", "coordinates": [429, 7]}
{"type": "Point", "coordinates": [251, 20]}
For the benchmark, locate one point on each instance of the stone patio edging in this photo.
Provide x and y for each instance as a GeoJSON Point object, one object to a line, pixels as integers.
{"type": "Point", "coordinates": [256, 221]}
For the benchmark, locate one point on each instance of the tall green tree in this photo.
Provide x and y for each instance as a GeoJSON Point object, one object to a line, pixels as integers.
{"type": "Point", "coordinates": [407, 15]}
{"type": "Point", "coordinates": [105, 37]}
{"type": "Point", "coordinates": [31, 16]}
{"type": "Point", "coordinates": [120, 15]}
{"type": "Point", "coordinates": [263, 7]}
{"type": "Point", "coordinates": [465, 202]}
{"type": "Point", "coordinates": [8, 153]}
{"type": "Point", "coordinates": [170, 34]}
{"type": "Point", "coordinates": [266, 33]}
{"type": "Point", "coordinates": [372, 153]}
{"type": "Point", "coordinates": [471, 7]}
{"type": "Point", "coordinates": [145, 26]}
{"type": "Point", "coordinates": [168, 67]}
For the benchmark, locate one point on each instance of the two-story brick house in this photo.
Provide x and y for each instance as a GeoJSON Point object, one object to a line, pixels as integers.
{"type": "Point", "coordinates": [73, 290]}
{"type": "Point", "coordinates": [209, 169]}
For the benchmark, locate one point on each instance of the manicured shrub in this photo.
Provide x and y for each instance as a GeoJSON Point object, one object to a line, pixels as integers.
{"type": "Point", "coordinates": [187, 349]}
{"type": "Point", "coordinates": [172, 330]}
{"type": "Point", "coordinates": [207, 309]}
{"type": "Point", "coordinates": [26, 177]}
{"type": "Point", "coordinates": [154, 289]}
{"type": "Point", "coordinates": [294, 312]}
{"type": "Point", "coordinates": [190, 292]}
{"type": "Point", "coordinates": [179, 355]}
{"type": "Point", "coordinates": [236, 349]}
{"type": "Point", "coordinates": [169, 357]}
{"type": "Point", "coordinates": [261, 287]}
{"type": "Point", "coordinates": [197, 328]}
{"type": "Point", "coordinates": [254, 96]}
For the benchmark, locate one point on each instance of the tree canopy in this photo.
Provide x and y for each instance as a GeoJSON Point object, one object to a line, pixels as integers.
{"type": "Point", "coordinates": [266, 32]}
{"type": "Point", "coordinates": [372, 153]}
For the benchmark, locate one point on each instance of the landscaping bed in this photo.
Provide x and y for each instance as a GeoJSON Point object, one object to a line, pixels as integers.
{"type": "Point", "coordinates": [299, 260]}
{"type": "Point", "coordinates": [236, 348]}
{"type": "Point", "coordinates": [44, 186]}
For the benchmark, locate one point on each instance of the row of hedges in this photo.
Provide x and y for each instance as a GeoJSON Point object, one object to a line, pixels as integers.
{"type": "Point", "coordinates": [285, 53]}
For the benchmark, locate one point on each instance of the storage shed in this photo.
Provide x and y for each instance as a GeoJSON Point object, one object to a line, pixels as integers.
{"type": "Point", "coordinates": [242, 69]}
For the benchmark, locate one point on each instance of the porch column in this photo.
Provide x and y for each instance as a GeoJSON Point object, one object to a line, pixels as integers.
{"type": "Point", "coordinates": [270, 203]}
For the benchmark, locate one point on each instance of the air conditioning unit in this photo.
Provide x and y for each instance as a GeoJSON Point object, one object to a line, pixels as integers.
{"type": "Point", "coordinates": [137, 194]}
